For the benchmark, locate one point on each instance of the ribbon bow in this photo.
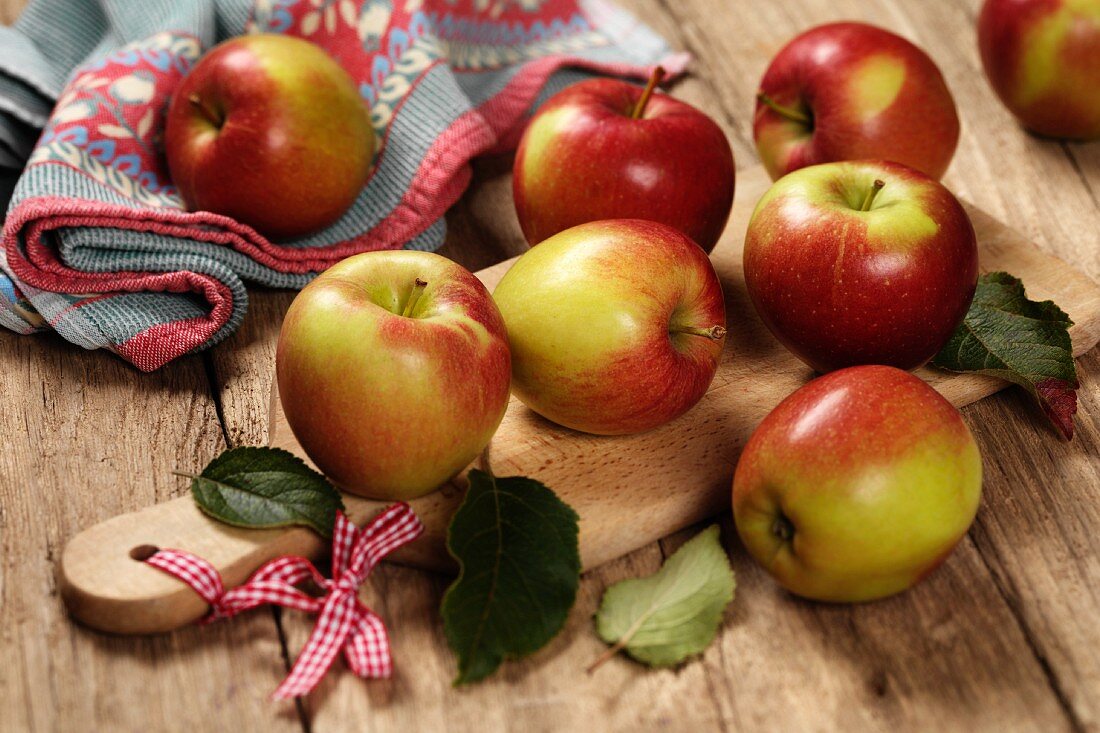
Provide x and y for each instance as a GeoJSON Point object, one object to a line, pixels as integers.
{"type": "Point", "coordinates": [344, 622]}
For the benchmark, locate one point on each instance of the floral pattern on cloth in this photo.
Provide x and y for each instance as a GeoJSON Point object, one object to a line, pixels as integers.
{"type": "Point", "coordinates": [97, 244]}
{"type": "Point", "coordinates": [108, 122]}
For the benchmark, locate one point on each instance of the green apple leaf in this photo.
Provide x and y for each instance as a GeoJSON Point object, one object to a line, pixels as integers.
{"type": "Point", "coordinates": [1023, 341]}
{"type": "Point", "coordinates": [519, 566]}
{"type": "Point", "coordinates": [674, 613]}
{"type": "Point", "coordinates": [265, 487]}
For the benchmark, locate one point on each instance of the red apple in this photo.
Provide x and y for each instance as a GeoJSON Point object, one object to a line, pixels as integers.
{"type": "Point", "coordinates": [857, 485]}
{"type": "Point", "coordinates": [616, 326]}
{"type": "Point", "coordinates": [1043, 59]}
{"type": "Point", "coordinates": [850, 91]}
{"type": "Point", "coordinates": [393, 372]}
{"type": "Point", "coordinates": [269, 130]}
{"type": "Point", "coordinates": [605, 149]}
{"type": "Point", "coordinates": [863, 262]}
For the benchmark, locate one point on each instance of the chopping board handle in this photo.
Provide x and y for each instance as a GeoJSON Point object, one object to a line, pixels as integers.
{"type": "Point", "coordinates": [106, 583]}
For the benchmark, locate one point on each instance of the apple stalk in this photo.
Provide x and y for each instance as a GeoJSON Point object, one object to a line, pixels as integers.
{"type": "Point", "coordinates": [870, 197]}
{"type": "Point", "coordinates": [654, 79]}
{"type": "Point", "coordinates": [790, 113]}
{"type": "Point", "coordinates": [414, 297]}
{"type": "Point", "coordinates": [206, 111]}
{"type": "Point", "coordinates": [714, 333]}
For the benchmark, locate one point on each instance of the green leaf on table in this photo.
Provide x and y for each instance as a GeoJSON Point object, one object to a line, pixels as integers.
{"type": "Point", "coordinates": [1023, 341]}
{"type": "Point", "coordinates": [265, 487]}
{"type": "Point", "coordinates": [519, 566]}
{"type": "Point", "coordinates": [674, 613]}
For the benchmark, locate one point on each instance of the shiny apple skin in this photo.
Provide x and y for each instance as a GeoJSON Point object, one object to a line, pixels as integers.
{"type": "Point", "coordinates": [295, 147]}
{"type": "Point", "coordinates": [857, 486]}
{"type": "Point", "coordinates": [871, 94]}
{"type": "Point", "coordinates": [590, 313]}
{"type": "Point", "coordinates": [582, 158]}
{"type": "Point", "coordinates": [1042, 58]}
{"type": "Point", "coordinates": [389, 406]}
{"type": "Point", "coordinates": [841, 287]}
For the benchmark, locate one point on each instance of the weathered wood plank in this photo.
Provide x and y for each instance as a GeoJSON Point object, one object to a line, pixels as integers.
{"type": "Point", "coordinates": [1038, 525]}
{"type": "Point", "coordinates": [87, 438]}
{"type": "Point", "coordinates": [917, 661]}
{"type": "Point", "coordinates": [1038, 534]}
{"type": "Point", "coordinates": [1039, 531]}
{"type": "Point", "coordinates": [1085, 158]}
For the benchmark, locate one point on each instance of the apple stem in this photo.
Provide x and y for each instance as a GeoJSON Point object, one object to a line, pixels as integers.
{"type": "Point", "coordinates": [654, 79]}
{"type": "Point", "coordinates": [213, 117]}
{"type": "Point", "coordinates": [870, 197]}
{"type": "Point", "coordinates": [791, 114]}
{"type": "Point", "coordinates": [714, 333]}
{"type": "Point", "coordinates": [414, 297]}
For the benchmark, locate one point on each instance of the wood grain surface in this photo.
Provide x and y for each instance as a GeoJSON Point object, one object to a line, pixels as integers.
{"type": "Point", "coordinates": [1004, 637]}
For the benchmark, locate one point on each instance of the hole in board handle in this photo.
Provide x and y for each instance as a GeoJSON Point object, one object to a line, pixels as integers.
{"type": "Point", "coordinates": [141, 553]}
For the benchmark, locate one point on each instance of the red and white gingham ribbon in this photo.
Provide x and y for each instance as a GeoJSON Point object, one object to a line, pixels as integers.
{"type": "Point", "coordinates": [344, 622]}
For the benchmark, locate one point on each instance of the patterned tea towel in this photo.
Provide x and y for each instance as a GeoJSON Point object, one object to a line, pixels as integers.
{"type": "Point", "coordinates": [96, 243]}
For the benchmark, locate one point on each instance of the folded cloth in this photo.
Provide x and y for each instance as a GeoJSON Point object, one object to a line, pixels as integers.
{"type": "Point", "coordinates": [97, 245]}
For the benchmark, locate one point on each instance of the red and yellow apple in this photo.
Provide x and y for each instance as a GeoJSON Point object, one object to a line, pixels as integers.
{"type": "Point", "coordinates": [271, 131]}
{"type": "Point", "coordinates": [1042, 58]}
{"type": "Point", "coordinates": [616, 326]}
{"type": "Point", "coordinates": [393, 371]}
{"type": "Point", "coordinates": [857, 485]}
{"type": "Point", "coordinates": [606, 149]}
{"type": "Point", "coordinates": [851, 91]}
{"type": "Point", "coordinates": [860, 263]}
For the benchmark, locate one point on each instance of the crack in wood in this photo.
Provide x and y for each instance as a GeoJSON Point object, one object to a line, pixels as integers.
{"type": "Point", "coordinates": [216, 396]}
{"type": "Point", "coordinates": [1011, 601]}
{"type": "Point", "coordinates": [276, 614]}
{"type": "Point", "coordinates": [1076, 164]}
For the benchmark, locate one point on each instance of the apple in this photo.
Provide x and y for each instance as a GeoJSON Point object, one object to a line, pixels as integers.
{"type": "Point", "coordinates": [864, 262]}
{"type": "Point", "coordinates": [857, 485]}
{"type": "Point", "coordinates": [1042, 58]}
{"type": "Point", "coordinates": [851, 91]}
{"type": "Point", "coordinates": [606, 149]}
{"type": "Point", "coordinates": [393, 371]}
{"type": "Point", "coordinates": [616, 326]}
{"type": "Point", "coordinates": [269, 130]}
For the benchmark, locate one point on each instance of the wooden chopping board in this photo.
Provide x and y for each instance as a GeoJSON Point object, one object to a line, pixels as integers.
{"type": "Point", "coordinates": [628, 490]}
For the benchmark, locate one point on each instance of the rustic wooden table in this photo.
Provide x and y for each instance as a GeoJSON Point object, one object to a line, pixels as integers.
{"type": "Point", "coordinates": [1006, 636]}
